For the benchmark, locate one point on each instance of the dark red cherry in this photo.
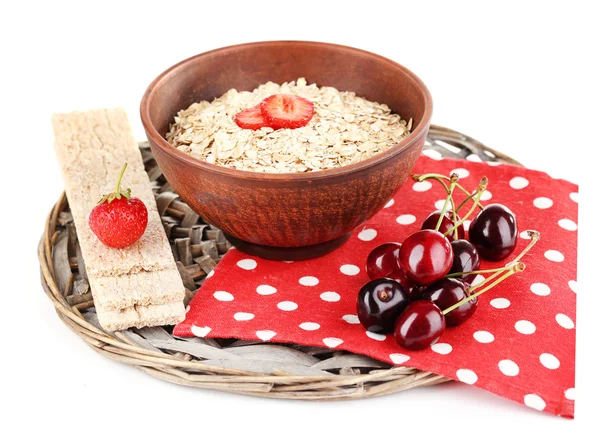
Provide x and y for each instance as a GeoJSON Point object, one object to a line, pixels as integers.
{"type": "Point", "coordinates": [420, 325]}
{"type": "Point", "coordinates": [383, 259]}
{"type": "Point", "coordinates": [426, 256]}
{"type": "Point", "coordinates": [447, 224]}
{"type": "Point", "coordinates": [494, 232]}
{"type": "Point", "coordinates": [412, 290]}
{"type": "Point", "coordinates": [445, 293]}
{"type": "Point", "coordinates": [466, 259]}
{"type": "Point", "coordinates": [379, 303]}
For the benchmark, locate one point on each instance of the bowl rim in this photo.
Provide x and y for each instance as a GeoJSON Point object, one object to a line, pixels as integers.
{"type": "Point", "coordinates": [378, 158]}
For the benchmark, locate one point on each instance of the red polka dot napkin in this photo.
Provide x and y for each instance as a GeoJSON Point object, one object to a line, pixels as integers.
{"type": "Point", "coordinates": [520, 343]}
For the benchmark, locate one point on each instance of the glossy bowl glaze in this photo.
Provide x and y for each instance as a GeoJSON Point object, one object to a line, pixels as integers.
{"type": "Point", "coordinates": [286, 216]}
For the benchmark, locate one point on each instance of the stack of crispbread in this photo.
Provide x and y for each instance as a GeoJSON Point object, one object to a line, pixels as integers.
{"type": "Point", "coordinates": [138, 285]}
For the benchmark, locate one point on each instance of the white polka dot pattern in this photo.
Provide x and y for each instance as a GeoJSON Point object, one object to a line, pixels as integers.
{"type": "Point", "coordinates": [287, 305]}
{"type": "Point", "coordinates": [223, 296]}
{"type": "Point", "coordinates": [308, 281]}
{"type": "Point", "coordinates": [542, 202]}
{"type": "Point", "coordinates": [200, 331]}
{"type": "Point", "coordinates": [486, 195]}
{"type": "Point", "coordinates": [508, 367]}
{"type": "Point", "coordinates": [422, 186]}
{"type": "Point", "coordinates": [564, 321]}
{"type": "Point", "coordinates": [351, 318]}
{"type": "Point", "coordinates": [483, 336]}
{"type": "Point", "coordinates": [567, 224]}
{"type": "Point", "coordinates": [515, 342]}
{"type": "Point", "coordinates": [554, 255]}
{"type": "Point", "coordinates": [367, 234]}
{"type": "Point", "coordinates": [574, 197]}
{"type": "Point", "coordinates": [350, 269]}
{"type": "Point", "coordinates": [525, 327]}
{"type": "Point", "coordinates": [309, 326]}
{"type": "Point", "coordinates": [525, 235]}
{"type": "Point", "coordinates": [535, 402]}
{"type": "Point", "coordinates": [242, 317]}
{"type": "Point", "coordinates": [265, 335]}
{"type": "Point", "coordinates": [441, 348]}
{"type": "Point", "coordinates": [461, 172]}
{"type": "Point", "coordinates": [406, 219]}
{"type": "Point", "coordinates": [540, 289]}
{"type": "Point", "coordinates": [518, 183]}
{"type": "Point", "coordinates": [330, 296]}
{"type": "Point", "coordinates": [549, 361]}
{"type": "Point", "coordinates": [265, 290]}
{"type": "Point", "coordinates": [332, 342]}
{"type": "Point", "coordinates": [375, 336]}
{"type": "Point", "coordinates": [439, 204]}
{"type": "Point", "coordinates": [573, 286]}
{"type": "Point", "coordinates": [500, 303]}
{"type": "Point", "coordinates": [478, 279]}
{"type": "Point", "coordinates": [467, 376]}
{"type": "Point", "coordinates": [247, 264]}
{"type": "Point", "coordinates": [399, 358]}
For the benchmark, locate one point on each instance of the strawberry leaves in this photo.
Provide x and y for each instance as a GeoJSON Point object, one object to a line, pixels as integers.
{"type": "Point", "coordinates": [112, 196]}
{"type": "Point", "coordinates": [118, 193]}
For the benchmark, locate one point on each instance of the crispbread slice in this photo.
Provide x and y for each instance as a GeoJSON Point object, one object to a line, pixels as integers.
{"type": "Point", "coordinates": [92, 147]}
{"type": "Point", "coordinates": [139, 317]}
{"type": "Point", "coordinates": [140, 289]}
{"type": "Point", "coordinates": [138, 285]}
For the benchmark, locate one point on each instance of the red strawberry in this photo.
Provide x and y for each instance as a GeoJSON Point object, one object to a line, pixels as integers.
{"type": "Point", "coordinates": [250, 118]}
{"type": "Point", "coordinates": [283, 111]}
{"type": "Point", "coordinates": [119, 219]}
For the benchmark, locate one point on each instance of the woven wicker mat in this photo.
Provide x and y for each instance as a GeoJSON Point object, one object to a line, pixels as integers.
{"type": "Point", "coordinates": [309, 373]}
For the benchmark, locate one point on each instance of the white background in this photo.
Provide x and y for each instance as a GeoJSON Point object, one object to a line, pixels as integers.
{"type": "Point", "coordinates": [520, 77]}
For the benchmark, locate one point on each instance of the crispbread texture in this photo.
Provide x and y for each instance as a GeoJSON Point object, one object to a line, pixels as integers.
{"type": "Point", "coordinates": [139, 289]}
{"type": "Point", "coordinates": [92, 147]}
{"type": "Point", "coordinates": [139, 317]}
{"type": "Point", "coordinates": [138, 285]}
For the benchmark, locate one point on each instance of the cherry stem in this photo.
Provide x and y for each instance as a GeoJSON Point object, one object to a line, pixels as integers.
{"type": "Point", "coordinates": [434, 176]}
{"type": "Point", "coordinates": [417, 178]}
{"type": "Point", "coordinates": [463, 203]}
{"type": "Point", "coordinates": [515, 268]}
{"type": "Point", "coordinates": [440, 178]}
{"type": "Point", "coordinates": [453, 182]}
{"type": "Point", "coordinates": [535, 237]}
{"type": "Point", "coordinates": [480, 189]}
{"type": "Point", "coordinates": [492, 277]}
{"type": "Point", "coordinates": [479, 272]}
{"type": "Point", "coordinates": [454, 218]}
{"type": "Point", "coordinates": [118, 186]}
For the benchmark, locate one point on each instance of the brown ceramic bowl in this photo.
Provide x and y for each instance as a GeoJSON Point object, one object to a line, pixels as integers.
{"type": "Point", "coordinates": [286, 216]}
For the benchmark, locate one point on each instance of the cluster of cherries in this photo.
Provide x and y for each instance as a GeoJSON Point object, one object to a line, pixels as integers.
{"type": "Point", "coordinates": [420, 286]}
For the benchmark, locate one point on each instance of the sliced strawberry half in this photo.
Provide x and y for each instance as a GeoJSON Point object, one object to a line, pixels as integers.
{"type": "Point", "coordinates": [250, 118]}
{"type": "Point", "coordinates": [287, 111]}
